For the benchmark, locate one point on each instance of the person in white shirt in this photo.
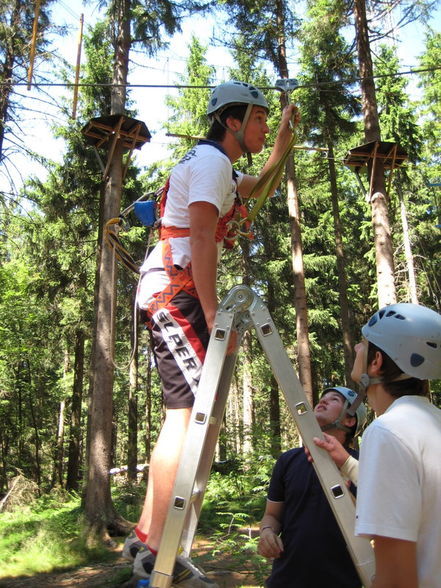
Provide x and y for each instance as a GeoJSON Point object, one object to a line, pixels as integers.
{"type": "Point", "coordinates": [399, 479]}
{"type": "Point", "coordinates": [178, 287]}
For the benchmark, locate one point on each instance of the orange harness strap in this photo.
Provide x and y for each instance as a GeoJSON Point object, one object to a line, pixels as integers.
{"type": "Point", "coordinates": [168, 232]}
{"type": "Point", "coordinates": [180, 279]}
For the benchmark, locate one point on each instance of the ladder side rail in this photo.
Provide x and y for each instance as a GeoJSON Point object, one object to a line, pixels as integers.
{"type": "Point", "coordinates": [236, 301]}
{"type": "Point", "coordinates": [207, 457]}
{"type": "Point", "coordinates": [330, 478]}
{"type": "Point", "coordinates": [193, 448]}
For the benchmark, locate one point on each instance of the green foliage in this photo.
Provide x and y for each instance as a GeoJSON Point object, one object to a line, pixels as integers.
{"type": "Point", "coordinates": [28, 373]}
{"type": "Point", "coordinates": [190, 107]}
{"type": "Point", "coordinates": [242, 489]}
{"type": "Point", "coordinates": [151, 19]}
{"type": "Point", "coordinates": [410, 195]}
{"type": "Point", "coordinates": [262, 24]}
{"type": "Point", "coordinates": [16, 34]}
{"type": "Point", "coordinates": [430, 82]}
{"type": "Point", "coordinates": [397, 115]}
{"type": "Point", "coordinates": [48, 244]}
{"type": "Point", "coordinates": [44, 536]}
{"type": "Point", "coordinates": [329, 101]}
{"type": "Point", "coordinates": [233, 506]}
{"type": "Point", "coordinates": [233, 539]}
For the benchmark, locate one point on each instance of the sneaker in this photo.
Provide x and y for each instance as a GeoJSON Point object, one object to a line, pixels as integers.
{"type": "Point", "coordinates": [195, 571]}
{"type": "Point", "coordinates": [185, 573]}
{"type": "Point", "coordinates": [132, 545]}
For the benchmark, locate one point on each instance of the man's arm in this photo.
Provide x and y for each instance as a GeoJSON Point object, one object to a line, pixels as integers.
{"type": "Point", "coordinates": [270, 544]}
{"type": "Point", "coordinates": [284, 134]}
{"type": "Point", "coordinates": [203, 222]}
{"type": "Point", "coordinates": [347, 464]}
{"type": "Point", "coordinates": [333, 447]}
{"type": "Point", "coordinates": [395, 562]}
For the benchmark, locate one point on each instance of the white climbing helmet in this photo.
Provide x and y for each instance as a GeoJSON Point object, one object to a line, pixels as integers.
{"type": "Point", "coordinates": [234, 92]}
{"type": "Point", "coordinates": [350, 397]}
{"type": "Point", "coordinates": [410, 334]}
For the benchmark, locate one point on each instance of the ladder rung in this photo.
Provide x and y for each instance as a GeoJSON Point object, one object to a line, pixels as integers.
{"type": "Point", "coordinates": [201, 417]}
{"type": "Point", "coordinates": [179, 501]}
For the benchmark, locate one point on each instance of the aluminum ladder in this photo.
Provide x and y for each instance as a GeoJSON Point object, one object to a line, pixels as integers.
{"type": "Point", "coordinates": [241, 310]}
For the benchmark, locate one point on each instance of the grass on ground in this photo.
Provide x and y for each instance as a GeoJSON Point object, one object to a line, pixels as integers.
{"type": "Point", "coordinates": [45, 535]}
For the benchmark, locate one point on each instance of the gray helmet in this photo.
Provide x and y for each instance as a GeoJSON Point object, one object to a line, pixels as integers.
{"type": "Point", "coordinates": [410, 334]}
{"type": "Point", "coordinates": [350, 396]}
{"type": "Point", "coordinates": [234, 92]}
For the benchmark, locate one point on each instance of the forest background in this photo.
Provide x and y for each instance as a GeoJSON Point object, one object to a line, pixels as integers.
{"type": "Point", "coordinates": [336, 242]}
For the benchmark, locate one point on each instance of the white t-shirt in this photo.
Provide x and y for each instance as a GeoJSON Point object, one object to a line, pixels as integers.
{"type": "Point", "coordinates": [204, 174]}
{"type": "Point", "coordinates": [399, 485]}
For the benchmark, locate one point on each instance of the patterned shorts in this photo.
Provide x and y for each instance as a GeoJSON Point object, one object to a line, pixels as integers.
{"type": "Point", "coordinates": [180, 340]}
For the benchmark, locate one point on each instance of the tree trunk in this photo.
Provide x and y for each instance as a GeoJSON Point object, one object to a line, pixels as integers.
{"type": "Point", "coordinates": [221, 448]}
{"type": "Point", "coordinates": [98, 502]}
{"type": "Point", "coordinates": [247, 396]}
{"type": "Point", "coordinates": [234, 421]}
{"type": "Point", "coordinates": [18, 384]}
{"type": "Point", "coordinates": [247, 388]}
{"type": "Point", "coordinates": [348, 339]}
{"type": "Point", "coordinates": [6, 76]}
{"type": "Point", "coordinates": [274, 416]}
{"type": "Point", "coordinates": [148, 406]}
{"type": "Point", "coordinates": [4, 450]}
{"type": "Point", "coordinates": [274, 400]}
{"type": "Point", "coordinates": [377, 190]}
{"type": "Point", "coordinates": [74, 452]}
{"type": "Point", "coordinates": [58, 474]}
{"type": "Point", "coordinates": [36, 437]}
{"type": "Point", "coordinates": [300, 303]}
{"type": "Point", "coordinates": [413, 295]}
{"type": "Point", "coordinates": [99, 509]}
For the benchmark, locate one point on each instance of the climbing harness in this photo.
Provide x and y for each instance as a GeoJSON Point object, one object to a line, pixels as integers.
{"type": "Point", "coordinates": [237, 221]}
{"type": "Point", "coordinates": [150, 209]}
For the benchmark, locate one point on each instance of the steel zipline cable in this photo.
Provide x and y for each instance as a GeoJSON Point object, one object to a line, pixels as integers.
{"type": "Point", "coordinates": [202, 87]}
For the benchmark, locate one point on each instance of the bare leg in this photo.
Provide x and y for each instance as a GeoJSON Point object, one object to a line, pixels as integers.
{"type": "Point", "coordinates": [162, 472]}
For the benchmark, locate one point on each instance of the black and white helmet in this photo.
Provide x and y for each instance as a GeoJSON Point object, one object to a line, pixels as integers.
{"type": "Point", "coordinates": [410, 334]}
{"type": "Point", "coordinates": [234, 92]}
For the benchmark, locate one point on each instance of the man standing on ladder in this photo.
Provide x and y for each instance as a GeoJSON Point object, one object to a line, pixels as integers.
{"type": "Point", "coordinates": [178, 288]}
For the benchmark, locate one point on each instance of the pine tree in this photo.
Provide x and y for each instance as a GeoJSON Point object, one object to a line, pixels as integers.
{"type": "Point", "coordinates": [328, 106]}
{"type": "Point", "coordinates": [17, 22]}
{"type": "Point", "coordinates": [131, 22]}
{"type": "Point", "coordinates": [266, 29]}
{"type": "Point", "coordinates": [377, 190]}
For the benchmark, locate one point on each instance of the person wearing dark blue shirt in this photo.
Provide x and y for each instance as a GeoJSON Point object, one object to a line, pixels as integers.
{"type": "Point", "coordinates": [298, 529]}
